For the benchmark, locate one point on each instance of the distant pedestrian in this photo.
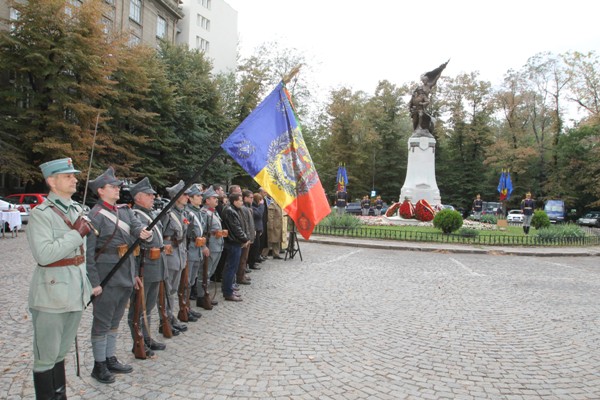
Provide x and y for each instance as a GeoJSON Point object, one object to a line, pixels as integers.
{"type": "Point", "coordinates": [527, 207]}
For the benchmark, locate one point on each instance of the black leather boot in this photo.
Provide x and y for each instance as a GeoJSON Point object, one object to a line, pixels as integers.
{"type": "Point", "coordinates": [44, 384]}
{"type": "Point", "coordinates": [101, 373]}
{"type": "Point", "coordinates": [60, 381]}
{"type": "Point", "coordinates": [116, 367]}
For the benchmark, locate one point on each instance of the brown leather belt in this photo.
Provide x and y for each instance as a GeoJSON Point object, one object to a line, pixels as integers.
{"type": "Point", "coordinates": [174, 241]}
{"type": "Point", "coordinates": [109, 251]}
{"type": "Point", "coordinates": [65, 262]}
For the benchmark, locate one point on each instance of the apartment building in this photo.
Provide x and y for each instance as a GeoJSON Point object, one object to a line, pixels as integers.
{"type": "Point", "coordinates": [211, 26]}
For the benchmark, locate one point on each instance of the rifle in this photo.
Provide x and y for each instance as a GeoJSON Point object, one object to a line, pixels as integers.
{"type": "Point", "coordinates": [206, 300]}
{"type": "Point", "coordinates": [184, 294]}
{"type": "Point", "coordinates": [164, 211]}
{"type": "Point", "coordinates": [165, 324]}
{"type": "Point", "coordinates": [139, 349]}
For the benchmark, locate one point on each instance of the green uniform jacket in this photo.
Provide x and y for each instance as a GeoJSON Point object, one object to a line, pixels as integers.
{"type": "Point", "coordinates": [56, 289]}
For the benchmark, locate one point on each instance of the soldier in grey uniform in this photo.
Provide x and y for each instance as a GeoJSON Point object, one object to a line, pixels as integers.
{"type": "Point", "coordinates": [196, 254]}
{"type": "Point", "coordinates": [118, 228]}
{"type": "Point", "coordinates": [59, 286]}
{"type": "Point", "coordinates": [154, 261]}
{"type": "Point", "coordinates": [212, 227]}
{"type": "Point", "coordinates": [175, 224]}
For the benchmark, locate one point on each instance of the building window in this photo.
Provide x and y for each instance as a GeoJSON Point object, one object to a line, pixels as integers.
{"type": "Point", "coordinates": [161, 27]}
{"type": "Point", "coordinates": [202, 44]}
{"type": "Point", "coordinates": [134, 40]}
{"type": "Point", "coordinates": [206, 4]}
{"type": "Point", "coordinates": [106, 25]}
{"type": "Point", "coordinates": [14, 15]}
{"type": "Point", "coordinates": [71, 6]}
{"type": "Point", "coordinates": [135, 10]}
{"type": "Point", "coordinates": [203, 22]}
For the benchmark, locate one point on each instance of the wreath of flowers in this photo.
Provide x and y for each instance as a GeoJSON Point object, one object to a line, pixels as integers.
{"type": "Point", "coordinates": [407, 210]}
{"type": "Point", "coordinates": [392, 210]}
{"type": "Point", "coordinates": [424, 211]}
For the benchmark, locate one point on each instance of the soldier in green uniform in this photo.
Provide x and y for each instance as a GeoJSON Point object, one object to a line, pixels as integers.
{"type": "Point", "coordinates": [59, 287]}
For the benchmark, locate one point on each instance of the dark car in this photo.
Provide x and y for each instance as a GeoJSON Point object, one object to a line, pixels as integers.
{"type": "Point", "coordinates": [353, 208]}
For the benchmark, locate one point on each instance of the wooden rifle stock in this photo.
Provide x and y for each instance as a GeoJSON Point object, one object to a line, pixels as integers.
{"type": "Point", "coordinates": [184, 295]}
{"type": "Point", "coordinates": [165, 324]}
{"type": "Point", "coordinates": [206, 300]}
{"type": "Point", "coordinates": [139, 348]}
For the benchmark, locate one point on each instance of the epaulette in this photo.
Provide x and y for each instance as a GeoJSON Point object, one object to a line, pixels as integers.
{"type": "Point", "coordinates": [122, 205]}
{"type": "Point", "coordinates": [44, 205]}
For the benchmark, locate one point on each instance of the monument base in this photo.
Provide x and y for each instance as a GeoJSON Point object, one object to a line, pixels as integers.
{"type": "Point", "coordinates": [420, 183]}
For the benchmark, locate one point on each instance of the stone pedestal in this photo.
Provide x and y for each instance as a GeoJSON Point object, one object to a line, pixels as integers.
{"type": "Point", "coordinates": [420, 180]}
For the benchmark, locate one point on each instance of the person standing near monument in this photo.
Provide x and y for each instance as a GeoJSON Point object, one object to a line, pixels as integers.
{"type": "Point", "coordinates": [477, 207]}
{"type": "Point", "coordinates": [117, 228]}
{"type": "Point", "coordinates": [378, 206]}
{"type": "Point", "coordinates": [527, 207]}
{"type": "Point", "coordinates": [365, 205]}
{"type": "Point", "coordinates": [56, 234]}
{"type": "Point", "coordinates": [340, 202]}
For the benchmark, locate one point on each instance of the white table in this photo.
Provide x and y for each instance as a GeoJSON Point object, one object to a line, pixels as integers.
{"type": "Point", "coordinates": [14, 221]}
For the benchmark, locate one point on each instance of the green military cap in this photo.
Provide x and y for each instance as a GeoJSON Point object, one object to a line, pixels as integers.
{"type": "Point", "coordinates": [194, 190]}
{"type": "Point", "coordinates": [173, 190]}
{"type": "Point", "coordinates": [142, 186]}
{"type": "Point", "coordinates": [60, 166]}
{"type": "Point", "coordinates": [106, 178]}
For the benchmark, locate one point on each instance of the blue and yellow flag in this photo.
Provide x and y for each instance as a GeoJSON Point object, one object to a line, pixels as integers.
{"type": "Point", "coordinates": [505, 186]}
{"type": "Point", "coordinates": [342, 179]}
{"type": "Point", "coordinates": [269, 146]}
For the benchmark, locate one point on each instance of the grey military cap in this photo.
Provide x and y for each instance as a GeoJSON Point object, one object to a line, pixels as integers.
{"type": "Point", "coordinates": [106, 178]}
{"type": "Point", "coordinates": [210, 192]}
{"type": "Point", "coordinates": [173, 190]}
{"type": "Point", "coordinates": [194, 190]}
{"type": "Point", "coordinates": [142, 186]}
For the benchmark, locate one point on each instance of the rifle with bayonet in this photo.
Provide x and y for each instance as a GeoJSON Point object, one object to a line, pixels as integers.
{"type": "Point", "coordinates": [206, 300]}
{"type": "Point", "coordinates": [164, 319]}
{"type": "Point", "coordinates": [184, 294]}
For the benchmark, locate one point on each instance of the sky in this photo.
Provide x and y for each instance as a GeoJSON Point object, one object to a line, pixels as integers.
{"type": "Point", "coordinates": [358, 43]}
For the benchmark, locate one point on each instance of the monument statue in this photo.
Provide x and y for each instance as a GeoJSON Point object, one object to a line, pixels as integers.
{"type": "Point", "coordinates": [423, 123]}
{"type": "Point", "coordinates": [420, 183]}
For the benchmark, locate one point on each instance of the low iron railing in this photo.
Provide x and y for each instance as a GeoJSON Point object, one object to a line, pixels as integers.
{"type": "Point", "coordinates": [480, 239]}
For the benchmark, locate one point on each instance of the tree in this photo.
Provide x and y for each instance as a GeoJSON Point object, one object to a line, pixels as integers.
{"type": "Point", "coordinates": [57, 62]}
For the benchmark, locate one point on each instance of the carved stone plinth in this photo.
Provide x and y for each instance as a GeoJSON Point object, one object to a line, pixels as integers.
{"type": "Point", "coordinates": [420, 180]}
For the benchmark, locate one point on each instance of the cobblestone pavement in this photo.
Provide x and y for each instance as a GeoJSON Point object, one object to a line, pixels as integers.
{"type": "Point", "coordinates": [354, 323]}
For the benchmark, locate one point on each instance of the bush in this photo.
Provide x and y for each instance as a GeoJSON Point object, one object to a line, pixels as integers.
{"type": "Point", "coordinates": [489, 219]}
{"type": "Point", "coordinates": [555, 232]}
{"type": "Point", "coordinates": [468, 232]}
{"type": "Point", "coordinates": [540, 219]}
{"type": "Point", "coordinates": [448, 220]}
{"type": "Point", "coordinates": [340, 221]}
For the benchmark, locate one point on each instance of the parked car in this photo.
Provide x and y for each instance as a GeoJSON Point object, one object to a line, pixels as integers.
{"type": "Point", "coordinates": [556, 210]}
{"type": "Point", "coordinates": [448, 207]}
{"type": "Point", "coordinates": [491, 207]}
{"type": "Point", "coordinates": [31, 199]}
{"type": "Point", "coordinates": [592, 218]}
{"type": "Point", "coordinates": [11, 204]}
{"type": "Point", "coordinates": [353, 208]}
{"type": "Point", "coordinates": [515, 216]}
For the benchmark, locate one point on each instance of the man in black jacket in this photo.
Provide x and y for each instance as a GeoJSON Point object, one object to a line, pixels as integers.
{"type": "Point", "coordinates": [234, 242]}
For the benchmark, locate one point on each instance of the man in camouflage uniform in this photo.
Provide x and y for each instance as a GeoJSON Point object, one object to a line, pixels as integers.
{"type": "Point", "coordinates": [59, 286]}
{"type": "Point", "coordinates": [118, 229]}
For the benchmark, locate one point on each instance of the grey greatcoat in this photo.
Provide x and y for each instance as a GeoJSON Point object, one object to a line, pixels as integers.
{"type": "Point", "coordinates": [212, 224]}
{"type": "Point", "coordinates": [195, 230]}
{"type": "Point", "coordinates": [175, 224]}
{"type": "Point", "coordinates": [154, 270]}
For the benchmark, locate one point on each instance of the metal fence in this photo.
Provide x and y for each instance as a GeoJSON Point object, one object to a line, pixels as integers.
{"type": "Point", "coordinates": [481, 239]}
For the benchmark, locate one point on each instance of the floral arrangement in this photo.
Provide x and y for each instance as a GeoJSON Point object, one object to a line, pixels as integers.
{"type": "Point", "coordinates": [186, 221]}
{"type": "Point", "coordinates": [407, 210]}
{"type": "Point", "coordinates": [424, 211]}
{"type": "Point", "coordinates": [392, 210]}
